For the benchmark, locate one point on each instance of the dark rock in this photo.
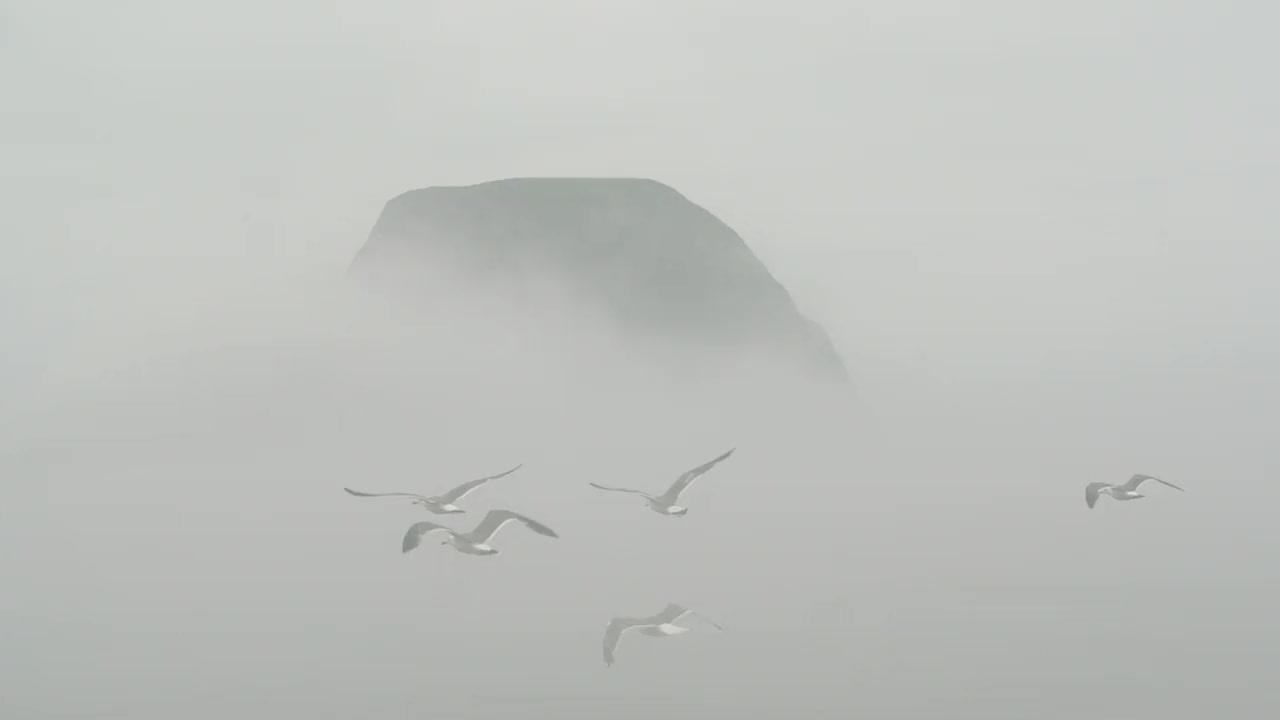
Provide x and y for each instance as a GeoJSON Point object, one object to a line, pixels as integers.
{"type": "Point", "coordinates": [655, 263]}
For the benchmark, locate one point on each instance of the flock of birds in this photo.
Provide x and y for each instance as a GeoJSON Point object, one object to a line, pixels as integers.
{"type": "Point", "coordinates": [663, 623]}
{"type": "Point", "coordinates": [476, 542]}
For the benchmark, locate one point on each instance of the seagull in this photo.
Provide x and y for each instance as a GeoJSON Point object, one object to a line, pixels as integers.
{"type": "Point", "coordinates": [476, 541]}
{"type": "Point", "coordinates": [665, 503]}
{"type": "Point", "coordinates": [660, 625]}
{"type": "Point", "coordinates": [442, 504]}
{"type": "Point", "coordinates": [1127, 491]}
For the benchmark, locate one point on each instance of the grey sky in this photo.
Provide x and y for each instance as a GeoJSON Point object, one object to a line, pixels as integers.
{"type": "Point", "coordinates": [1044, 239]}
{"type": "Point", "coordinates": [881, 157]}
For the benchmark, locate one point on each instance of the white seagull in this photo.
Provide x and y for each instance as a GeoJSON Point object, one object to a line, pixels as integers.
{"type": "Point", "coordinates": [1127, 491]}
{"type": "Point", "coordinates": [441, 504]}
{"type": "Point", "coordinates": [660, 625]}
{"type": "Point", "coordinates": [476, 541]}
{"type": "Point", "coordinates": [665, 503]}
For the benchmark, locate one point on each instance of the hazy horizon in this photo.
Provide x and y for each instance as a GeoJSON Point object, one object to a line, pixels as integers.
{"type": "Point", "coordinates": [1041, 240]}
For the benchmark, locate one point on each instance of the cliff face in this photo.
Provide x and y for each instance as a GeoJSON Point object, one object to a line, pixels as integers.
{"type": "Point", "coordinates": [635, 250]}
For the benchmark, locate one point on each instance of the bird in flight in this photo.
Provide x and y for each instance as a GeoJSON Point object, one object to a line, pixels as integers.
{"type": "Point", "coordinates": [1127, 491]}
{"type": "Point", "coordinates": [665, 503]}
{"type": "Point", "coordinates": [475, 542]}
{"type": "Point", "coordinates": [660, 625]}
{"type": "Point", "coordinates": [441, 504]}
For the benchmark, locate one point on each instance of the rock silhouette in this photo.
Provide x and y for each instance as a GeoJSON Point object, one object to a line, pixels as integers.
{"type": "Point", "coordinates": [635, 250]}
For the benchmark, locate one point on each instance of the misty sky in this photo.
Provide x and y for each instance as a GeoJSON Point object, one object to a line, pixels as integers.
{"type": "Point", "coordinates": [1043, 239]}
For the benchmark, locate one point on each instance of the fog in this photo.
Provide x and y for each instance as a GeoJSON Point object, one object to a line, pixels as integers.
{"type": "Point", "coordinates": [1040, 238]}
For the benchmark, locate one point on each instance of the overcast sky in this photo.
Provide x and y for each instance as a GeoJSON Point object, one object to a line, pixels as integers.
{"type": "Point", "coordinates": [1043, 239]}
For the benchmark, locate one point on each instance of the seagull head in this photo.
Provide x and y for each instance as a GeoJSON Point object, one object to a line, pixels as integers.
{"type": "Point", "coordinates": [678, 511]}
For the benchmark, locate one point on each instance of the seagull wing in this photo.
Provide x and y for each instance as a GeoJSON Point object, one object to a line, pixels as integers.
{"type": "Point", "coordinates": [357, 493]}
{"type": "Point", "coordinates": [414, 535]}
{"type": "Point", "coordinates": [1137, 480]}
{"type": "Point", "coordinates": [461, 491]}
{"type": "Point", "coordinates": [713, 623]}
{"type": "Point", "coordinates": [684, 481]}
{"type": "Point", "coordinates": [1091, 492]}
{"type": "Point", "coordinates": [613, 636]}
{"type": "Point", "coordinates": [494, 521]}
{"type": "Point", "coordinates": [671, 613]}
{"type": "Point", "coordinates": [624, 490]}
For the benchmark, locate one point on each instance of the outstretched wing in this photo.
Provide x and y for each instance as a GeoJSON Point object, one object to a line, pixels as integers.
{"type": "Point", "coordinates": [1137, 480]}
{"type": "Point", "coordinates": [461, 491]}
{"type": "Point", "coordinates": [494, 521]}
{"type": "Point", "coordinates": [713, 623]}
{"type": "Point", "coordinates": [414, 535]}
{"type": "Point", "coordinates": [357, 493]}
{"type": "Point", "coordinates": [684, 481]}
{"type": "Point", "coordinates": [1091, 492]}
{"type": "Point", "coordinates": [671, 613]}
{"type": "Point", "coordinates": [613, 636]}
{"type": "Point", "coordinates": [623, 490]}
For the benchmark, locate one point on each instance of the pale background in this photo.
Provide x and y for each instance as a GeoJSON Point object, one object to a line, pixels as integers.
{"type": "Point", "coordinates": [1043, 239]}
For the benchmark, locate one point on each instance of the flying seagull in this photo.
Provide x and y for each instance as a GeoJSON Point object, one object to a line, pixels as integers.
{"type": "Point", "coordinates": [1127, 491]}
{"type": "Point", "coordinates": [441, 504]}
{"type": "Point", "coordinates": [666, 502]}
{"type": "Point", "coordinates": [476, 541]}
{"type": "Point", "coordinates": [660, 625]}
